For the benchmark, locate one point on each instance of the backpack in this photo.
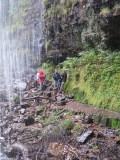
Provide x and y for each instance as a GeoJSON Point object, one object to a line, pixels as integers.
{"type": "Point", "coordinates": [56, 76]}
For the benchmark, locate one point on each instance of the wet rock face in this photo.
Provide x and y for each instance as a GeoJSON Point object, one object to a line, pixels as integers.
{"type": "Point", "coordinates": [85, 24]}
{"type": "Point", "coordinates": [109, 25]}
{"type": "Point", "coordinates": [112, 30]}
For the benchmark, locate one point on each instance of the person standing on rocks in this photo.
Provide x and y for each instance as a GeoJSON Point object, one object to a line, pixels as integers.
{"type": "Point", "coordinates": [56, 77]}
{"type": "Point", "coordinates": [41, 79]}
{"type": "Point", "coordinates": [63, 81]}
{"type": "Point", "coordinates": [59, 83]}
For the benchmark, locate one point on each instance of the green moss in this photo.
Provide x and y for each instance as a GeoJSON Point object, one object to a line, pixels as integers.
{"type": "Point", "coordinates": [95, 79]}
{"type": "Point", "coordinates": [45, 2]}
{"type": "Point", "coordinates": [42, 120]}
{"type": "Point", "coordinates": [76, 129]}
{"type": "Point", "coordinates": [113, 122]}
{"type": "Point", "coordinates": [57, 130]}
{"type": "Point", "coordinates": [52, 119]}
{"type": "Point", "coordinates": [67, 124]}
{"type": "Point", "coordinates": [105, 11]}
{"type": "Point", "coordinates": [16, 99]}
{"type": "Point", "coordinates": [69, 3]}
{"type": "Point", "coordinates": [42, 108]}
{"type": "Point", "coordinates": [45, 121]}
{"type": "Point", "coordinates": [49, 69]}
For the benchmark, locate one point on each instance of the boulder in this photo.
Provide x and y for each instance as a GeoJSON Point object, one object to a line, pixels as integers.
{"type": "Point", "coordinates": [22, 111]}
{"type": "Point", "coordinates": [82, 138]}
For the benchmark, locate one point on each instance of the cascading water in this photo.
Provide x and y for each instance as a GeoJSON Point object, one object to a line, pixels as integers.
{"type": "Point", "coordinates": [20, 41]}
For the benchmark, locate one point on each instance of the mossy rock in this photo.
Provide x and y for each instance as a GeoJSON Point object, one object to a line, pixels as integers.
{"type": "Point", "coordinates": [76, 129]}
{"type": "Point", "coordinates": [97, 118]}
{"type": "Point", "coordinates": [114, 123]}
{"type": "Point", "coordinates": [105, 11]}
{"type": "Point", "coordinates": [108, 122]}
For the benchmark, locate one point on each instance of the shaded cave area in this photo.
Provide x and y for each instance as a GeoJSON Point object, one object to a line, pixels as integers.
{"type": "Point", "coordinates": [114, 33]}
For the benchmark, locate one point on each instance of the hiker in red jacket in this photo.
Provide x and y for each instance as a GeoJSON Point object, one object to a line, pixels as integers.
{"type": "Point", "coordinates": [41, 78]}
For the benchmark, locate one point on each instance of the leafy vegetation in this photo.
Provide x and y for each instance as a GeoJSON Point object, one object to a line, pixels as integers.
{"type": "Point", "coordinates": [76, 129]}
{"type": "Point", "coordinates": [97, 81]}
{"type": "Point", "coordinates": [16, 99]}
{"type": "Point", "coordinates": [48, 67]}
{"type": "Point", "coordinates": [93, 78]}
{"type": "Point", "coordinates": [67, 124]}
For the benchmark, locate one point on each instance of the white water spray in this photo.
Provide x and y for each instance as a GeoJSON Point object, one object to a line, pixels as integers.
{"type": "Point", "coordinates": [20, 42]}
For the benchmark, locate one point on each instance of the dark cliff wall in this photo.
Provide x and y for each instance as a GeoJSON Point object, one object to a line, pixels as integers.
{"type": "Point", "coordinates": [74, 25]}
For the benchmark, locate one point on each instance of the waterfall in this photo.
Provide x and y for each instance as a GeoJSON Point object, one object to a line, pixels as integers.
{"type": "Point", "coordinates": [21, 39]}
{"type": "Point", "coordinates": [20, 42]}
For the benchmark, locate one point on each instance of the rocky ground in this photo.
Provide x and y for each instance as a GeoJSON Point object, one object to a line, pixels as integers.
{"type": "Point", "coordinates": [53, 126]}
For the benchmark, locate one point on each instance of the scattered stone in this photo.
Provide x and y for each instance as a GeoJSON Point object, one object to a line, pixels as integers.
{"type": "Point", "coordinates": [2, 139]}
{"type": "Point", "coordinates": [10, 116]}
{"type": "Point", "coordinates": [25, 105]}
{"type": "Point", "coordinates": [84, 136]}
{"type": "Point", "coordinates": [11, 153]}
{"type": "Point", "coordinates": [19, 85]}
{"type": "Point", "coordinates": [70, 96]}
{"type": "Point", "coordinates": [5, 118]}
{"type": "Point", "coordinates": [117, 140]}
{"type": "Point", "coordinates": [26, 95]}
{"type": "Point", "coordinates": [7, 131]}
{"type": "Point", "coordinates": [77, 118]}
{"type": "Point", "coordinates": [29, 121]}
{"type": "Point", "coordinates": [16, 120]}
{"type": "Point", "coordinates": [61, 98]}
{"type": "Point", "coordinates": [36, 119]}
{"type": "Point", "coordinates": [50, 88]}
{"type": "Point", "coordinates": [47, 94]}
{"type": "Point", "coordinates": [47, 129]}
{"type": "Point", "coordinates": [99, 134]}
{"type": "Point", "coordinates": [38, 112]}
{"type": "Point", "coordinates": [59, 150]}
{"type": "Point", "coordinates": [22, 111]}
{"type": "Point", "coordinates": [3, 97]}
{"type": "Point", "coordinates": [88, 119]}
{"type": "Point", "coordinates": [61, 103]}
{"type": "Point", "coordinates": [3, 123]}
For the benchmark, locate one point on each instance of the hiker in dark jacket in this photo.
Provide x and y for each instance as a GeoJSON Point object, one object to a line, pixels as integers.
{"type": "Point", "coordinates": [64, 79]}
{"type": "Point", "coordinates": [56, 77]}
{"type": "Point", "coordinates": [59, 83]}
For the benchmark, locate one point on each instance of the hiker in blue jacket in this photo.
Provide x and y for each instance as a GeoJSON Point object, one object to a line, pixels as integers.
{"type": "Point", "coordinates": [56, 77]}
